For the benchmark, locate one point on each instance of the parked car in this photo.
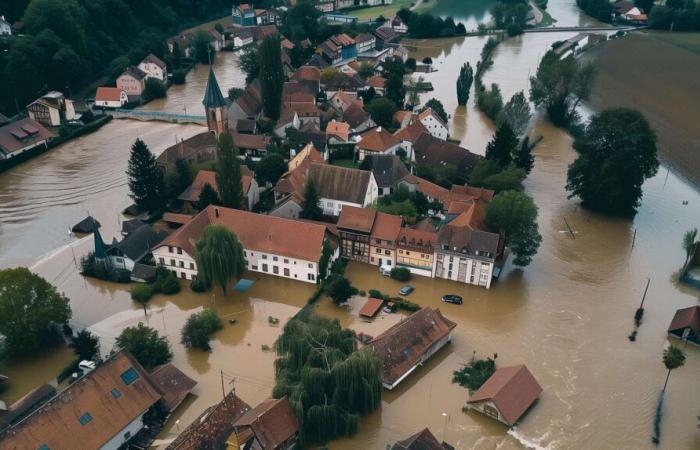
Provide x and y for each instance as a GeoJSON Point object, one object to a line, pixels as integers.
{"type": "Point", "coordinates": [406, 290]}
{"type": "Point", "coordinates": [451, 298]}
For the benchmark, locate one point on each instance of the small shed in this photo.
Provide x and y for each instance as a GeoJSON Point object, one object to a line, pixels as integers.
{"type": "Point", "coordinates": [686, 324]}
{"type": "Point", "coordinates": [371, 307]}
{"type": "Point", "coordinates": [87, 225]}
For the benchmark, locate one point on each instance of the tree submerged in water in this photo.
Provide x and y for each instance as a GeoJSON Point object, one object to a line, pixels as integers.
{"type": "Point", "coordinates": [328, 381]}
{"type": "Point", "coordinates": [475, 373]}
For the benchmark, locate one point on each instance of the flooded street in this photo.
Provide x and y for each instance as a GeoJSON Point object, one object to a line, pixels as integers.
{"type": "Point", "coordinates": [566, 316]}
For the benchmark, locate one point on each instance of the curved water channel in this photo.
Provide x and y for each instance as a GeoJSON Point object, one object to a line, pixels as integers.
{"type": "Point", "coordinates": [566, 316]}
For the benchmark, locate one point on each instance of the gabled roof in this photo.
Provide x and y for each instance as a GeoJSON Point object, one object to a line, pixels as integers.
{"type": "Point", "coordinates": [212, 95]}
{"type": "Point", "coordinates": [250, 141]}
{"type": "Point", "coordinates": [153, 59]}
{"type": "Point", "coordinates": [428, 112]}
{"type": "Point", "coordinates": [251, 99]}
{"type": "Point", "coordinates": [174, 384]}
{"type": "Point", "coordinates": [343, 81]}
{"type": "Point", "coordinates": [258, 232]}
{"type": "Point", "coordinates": [357, 219]}
{"type": "Point", "coordinates": [429, 189]}
{"type": "Point", "coordinates": [386, 34]}
{"type": "Point", "coordinates": [417, 239]}
{"type": "Point", "coordinates": [403, 345]}
{"type": "Point", "coordinates": [355, 115]}
{"type": "Point", "coordinates": [108, 94]}
{"type": "Point", "coordinates": [139, 242]}
{"type": "Point", "coordinates": [87, 414]}
{"type": "Point", "coordinates": [199, 143]}
{"type": "Point", "coordinates": [377, 140]}
{"type": "Point", "coordinates": [306, 155]}
{"type": "Point", "coordinates": [388, 170]}
{"type": "Point", "coordinates": [434, 152]}
{"type": "Point", "coordinates": [686, 318]}
{"type": "Point", "coordinates": [338, 129]}
{"type": "Point", "coordinates": [423, 440]}
{"type": "Point", "coordinates": [134, 72]}
{"type": "Point", "coordinates": [344, 97]}
{"type": "Point", "coordinates": [340, 183]}
{"type": "Point", "coordinates": [306, 73]}
{"type": "Point", "coordinates": [364, 37]}
{"type": "Point", "coordinates": [371, 307]}
{"type": "Point", "coordinates": [260, 32]}
{"type": "Point", "coordinates": [272, 422]}
{"type": "Point", "coordinates": [317, 60]}
{"type": "Point", "coordinates": [22, 133]}
{"type": "Point", "coordinates": [511, 389]}
{"type": "Point", "coordinates": [376, 82]}
{"type": "Point", "coordinates": [386, 226]}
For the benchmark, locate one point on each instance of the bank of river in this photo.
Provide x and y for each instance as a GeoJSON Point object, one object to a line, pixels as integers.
{"type": "Point", "coordinates": [566, 316]}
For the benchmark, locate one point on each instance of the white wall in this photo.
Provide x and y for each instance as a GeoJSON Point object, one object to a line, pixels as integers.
{"type": "Point", "coordinates": [119, 439]}
{"type": "Point", "coordinates": [153, 71]}
{"type": "Point", "coordinates": [435, 128]}
{"type": "Point", "coordinates": [483, 270]}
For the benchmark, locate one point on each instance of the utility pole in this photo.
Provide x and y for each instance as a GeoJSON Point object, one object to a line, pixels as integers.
{"type": "Point", "coordinates": [223, 391]}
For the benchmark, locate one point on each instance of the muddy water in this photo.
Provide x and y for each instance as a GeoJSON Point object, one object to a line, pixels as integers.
{"type": "Point", "coordinates": [566, 316]}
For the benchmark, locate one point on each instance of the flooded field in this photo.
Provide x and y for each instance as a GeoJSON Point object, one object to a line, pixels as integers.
{"type": "Point", "coordinates": [667, 95]}
{"type": "Point", "coordinates": [566, 316]}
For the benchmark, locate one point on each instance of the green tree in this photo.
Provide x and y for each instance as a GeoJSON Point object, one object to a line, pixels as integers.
{"type": "Point", "coordinates": [490, 101]}
{"type": "Point", "coordinates": [436, 105]}
{"type": "Point", "coordinates": [475, 373]}
{"type": "Point", "coordinates": [411, 64]}
{"type": "Point", "coordinates": [600, 9]}
{"type": "Point", "coordinates": [199, 327]}
{"type": "Point", "coordinates": [382, 111]}
{"type": "Point", "coordinates": [207, 196]}
{"type": "Point", "coordinates": [301, 22]}
{"type": "Point", "coordinates": [310, 206]}
{"type": "Point", "coordinates": [503, 145]}
{"type": "Point", "coordinates": [271, 76]}
{"type": "Point", "coordinates": [146, 184]}
{"type": "Point", "coordinates": [560, 85]}
{"type": "Point", "coordinates": [394, 86]}
{"type": "Point", "coordinates": [367, 70]}
{"type": "Point", "coordinates": [145, 344]}
{"type": "Point", "coordinates": [66, 18]}
{"type": "Point", "coordinates": [270, 168]}
{"type": "Point", "coordinates": [616, 153]}
{"type": "Point", "coordinates": [154, 88]}
{"type": "Point", "coordinates": [85, 345]}
{"type": "Point", "coordinates": [329, 383]}
{"type": "Point", "coordinates": [516, 113]}
{"type": "Point", "coordinates": [219, 256]}
{"type": "Point", "coordinates": [180, 179]}
{"type": "Point", "coordinates": [338, 288]}
{"type": "Point", "coordinates": [491, 175]}
{"type": "Point", "coordinates": [403, 208]}
{"type": "Point", "coordinates": [523, 156]}
{"type": "Point", "coordinates": [234, 93]}
{"type": "Point", "coordinates": [203, 51]}
{"type": "Point", "coordinates": [400, 274]}
{"type": "Point", "coordinates": [31, 311]}
{"type": "Point", "coordinates": [249, 63]}
{"type": "Point", "coordinates": [673, 358]}
{"type": "Point", "coordinates": [464, 83]}
{"type": "Point", "coordinates": [514, 215]}
{"type": "Point", "coordinates": [689, 239]}
{"type": "Point", "coordinates": [228, 173]}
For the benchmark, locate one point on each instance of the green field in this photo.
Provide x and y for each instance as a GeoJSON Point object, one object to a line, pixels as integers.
{"type": "Point", "coordinates": [686, 41]}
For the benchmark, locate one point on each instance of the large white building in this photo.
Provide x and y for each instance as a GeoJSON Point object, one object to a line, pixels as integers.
{"type": "Point", "coordinates": [154, 67]}
{"type": "Point", "coordinates": [434, 124]}
{"type": "Point", "coordinates": [274, 245]}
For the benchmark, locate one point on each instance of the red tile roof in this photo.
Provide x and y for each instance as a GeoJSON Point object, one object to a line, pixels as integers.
{"type": "Point", "coordinates": [307, 73]}
{"type": "Point", "coordinates": [429, 189]}
{"type": "Point", "coordinates": [174, 384]}
{"type": "Point", "coordinates": [412, 132]}
{"type": "Point", "coordinates": [511, 389]}
{"type": "Point", "coordinates": [371, 307]}
{"type": "Point", "coordinates": [272, 422]}
{"type": "Point", "coordinates": [376, 82]}
{"type": "Point", "coordinates": [108, 94]}
{"type": "Point", "coordinates": [386, 227]}
{"type": "Point", "coordinates": [339, 129]}
{"type": "Point", "coordinates": [377, 140]}
{"type": "Point", "coordinates": [357, 219]}
{"type": "Point", "coordinates": [250, 141]}
{"type": "Point", "coordinates": [258, 232]}
{"type": "Point", "coordinates": [417, 239]}
{"type": "Point", "coordinates": [686, 318]}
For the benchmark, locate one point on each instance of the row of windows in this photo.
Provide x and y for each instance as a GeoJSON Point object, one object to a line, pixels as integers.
{"type": "Point", "coordinates": [422, 255]}
{"type": "Point", "coordinates": [173, 263]}
{"type": "Point", "coordinates": [171, 249]}
{"type": "Point", "coordinates": [285, 271]}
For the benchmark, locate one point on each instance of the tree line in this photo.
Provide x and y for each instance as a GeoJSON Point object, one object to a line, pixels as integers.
{"type": "Point", "coordinates": [423, 26]}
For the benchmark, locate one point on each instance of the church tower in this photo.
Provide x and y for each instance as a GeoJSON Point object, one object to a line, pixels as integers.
{"type": "Point", "coordinates": [215, 106]}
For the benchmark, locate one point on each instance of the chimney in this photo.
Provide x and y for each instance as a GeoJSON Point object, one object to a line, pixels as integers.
{"type": "Point", "coordinates": [379, 129]}
{"type": "Point", "coordinates": [216, 211]}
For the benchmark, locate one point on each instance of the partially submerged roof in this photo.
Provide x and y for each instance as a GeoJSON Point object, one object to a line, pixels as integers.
{"type": "Point", "coordinates": [371, 307]}
{"type": "Point", "coordinates": [511, 389]}
{"type": "Point", "coordinates": [86, 225]}
{"type": "Point", "coordinates": [423, 440]}
{"type": "Point", "coordinates": [21, 134]}
{"type": "Point", "coordinates": [139, 242]}
{"type": "Point", "coordinates": [686, 318]}
{"type": "Point", "coordinates": [174, 384]}
{"type": "Point", "coordinates": [272, 422]}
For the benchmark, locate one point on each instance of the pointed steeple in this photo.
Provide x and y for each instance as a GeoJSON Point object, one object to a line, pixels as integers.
{"type": "Point", "coordinates": [100, 247]}
{"type": "Point", "coordinates": [212, 96]}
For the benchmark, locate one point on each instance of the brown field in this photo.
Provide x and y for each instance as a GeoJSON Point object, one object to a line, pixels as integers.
{"type": "Point", "coordinates": [658, 74]}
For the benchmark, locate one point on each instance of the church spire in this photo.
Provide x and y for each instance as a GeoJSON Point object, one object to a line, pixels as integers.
{"type": "Point", "coordinates": [215, 106]}
{"type": "Point", "coordinates": [212, 96]}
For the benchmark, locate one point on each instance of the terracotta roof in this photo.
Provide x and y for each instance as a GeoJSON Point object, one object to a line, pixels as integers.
{"type": "Point", "coordinates": [343, 40]}
{"type": "Point", "coordinates": [511, 389]}
{"type": "Point", "coordinates": [434, 152]}
{"type": "Point", "coordinates": [251, 99]}
{"type": "Point", "coordinates": [192, 193]}
{"type": "Point", "coordinates": [286, 43]}
{"type": "Point", "coordinates": [371, 307]}
{"type": "Point", "coordinates": [339, 129]}
{"type": "Point", "coordinates": [401, 115]}
{"type": "Point", "coordinates": [429, 189]}
{"type": "Point", "coordinates": [376, 82]}
{"type": "Point", "coordinates": [686, 318]}
{"type": "Point", "coordinates": [198, 144]}
{"type": "Point", "coordinates": [386, 227]}
{"type": "Point", "coordinates": [23, 133]}
{"type": "Point", "coordinates": [258, 232]}
{"type": "Point", "coordinates": [403, 345]}
{"type": "Point", "coordinates": [377, 140]}
{"type": "Point", "coordinates": [304, 109]}
{"type": "Point", "coordinates": [108, 94]}
{"type": "Point", "coordinates": [417, 239]}
{"type": "Point", "coordinates": [357, 219]}
{"type": "Point", "coordinates": [250, 141]}
{"type": "Point", "coordinates": [272, 422]}
{"type": "Point", "coordinates": [153, 59]}
{"type": "Point", "coordinates": [423, 440]}
{"type": "Point", "coordinates": [386, 34]}
{"type": "Point", "coordinates": [213, 427]}
{"type": "Point", "coordinates": [355, 115]}
{"type": "Point", "coordinates": [340, 183]}
{"type": "Point", "coordinates": [174, 218]}
{"type": "Point", "coordinates": [174, 384]}
{"type": "Point", "coordinates": [307, 73]}
{"type": "Point", "coordinates": [412, 132]}
{"type": "Point", "coordinates": [89, 400]}
{"type": "Point", "coordinates": [260, 32]}
{"type": "Point", "coordinates": [307, 154]}
{"type": "Point", "coordinates": [344, 97]}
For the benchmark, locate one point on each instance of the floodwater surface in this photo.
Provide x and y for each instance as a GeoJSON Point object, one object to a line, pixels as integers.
{"type": "Point", "coordinates": [566, 316]}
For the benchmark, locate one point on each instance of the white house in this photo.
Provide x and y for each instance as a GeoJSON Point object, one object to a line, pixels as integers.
{"type": "Point", "coordinates": [434, 124]}
{"type": "Point", "coordinates": [273, 245]}
{"type": "Point", "coordinates": [242, 36]}
{"type": "Point", "coordinates": [154, 67]}
{"type": "Point", "coordinates": [5, 27]}
{"type": "Point", "coordinates": [110, 97]}
{"type": "Point", "coordinates": [377, 141]}
{"type": "Point", "coordinates": [52, 109]}
{"type": "Point", "coordinates": [132, 81]}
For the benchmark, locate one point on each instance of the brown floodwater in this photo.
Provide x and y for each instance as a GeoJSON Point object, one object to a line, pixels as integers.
{"type": "Point", "coordinates": [566, 316]}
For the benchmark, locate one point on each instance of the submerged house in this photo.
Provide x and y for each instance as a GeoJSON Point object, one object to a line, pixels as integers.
{"type": "Point", "coordinates": [506, 395]}
{"type": "Point", "coordinates": [272, 425]}
{"type": "Point", "coordinates": [686, 325]}
{"type": "Point", "coordinates": [407, 345]}
{"type": "Point", "coordinates": [133, 249]}
{"type": "Point", "coordinates": [423, 440]}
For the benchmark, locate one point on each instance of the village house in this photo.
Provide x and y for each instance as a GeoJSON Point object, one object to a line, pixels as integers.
{"type": "Point", "coordinates": [307, 155]}
{"type": "Point", "coordinates": [133, 249]}
{"type": "Point", "coordinates": [365, 42]}
{"type": "Point", "coordinates": [241, 37]}
{"type": "Point", "coordinates": [325, 6]}
{"type": "Point", "coordinates": [22, 135]}
{"type": "Point", "coordinates": [308, 133]}
{"type": "Point", "coordinates": [397, 24]}
{"type": "Point", "coordinates": [383, 238]}
{"type": "Point", "coordinates": [342, 100]}
{"type": "Point", "coordinates": [629, 12]}
{"type": "Point", "coordinates": [218, 40]}
{"type": "Point", "coordinates": [337, 132]}
{"type": "Point", "coordinates": [246, 126]}
{"type": "Point", "coordinates": [388, 170]}
{"type": "Point", "coordinates": [377, 83]}
{"type": "Point", "coordinates": [434, 124]}
{"type": "Point", "coordinates": [214, 427]}
{"type": "Point", "coordinates": [385, 36]}
{"type": "Point", "coordinates": [103, 409]}
{"type": "Point", "coordinates": [506, 395]}
{"type": "Point", "coordinates": [423, 440]}
{"type": "Point", "coordinates": [154, 67]}
{"type": "Point", "coordinates": [410, 343]}
{"type": "Point", "coordinates": [288, 119]}
{"type": "Point", "coordinates": [272, 425]}
{"type": "Point", "coordinates": [354, 229]}
{"type": "Point", "coordinates": [182, 44]}
{"type": "Point", "coordinates": [110, 97]}
{"type": "Point", "coordinates": [267, 17]}
{"type": "Point", "coordinates": [196, 150]}
{"type": "Point", "coordinates": [403, 118]}
{"type": "Point", "coordinates": [52, 110]}
{"type": "Point", "coordinates": [343, 82]}
{"type": "Point", "coordinates": [273, 245]}
{"type": "Point", "coordinates": [132, 81]}
{"type": "Point", "coordinates": [432, 191]}
{"type": "Point", "coordinates": [248, 105]}
{"type": "Point", "coordinates": [306, 73]}
{"type": "Point", "coordinates": [251, 146]}
{"type": "Point", "coordinates": [408, 135]}
{"type": "Point", "coordinates": [5, 27]}
{"type": "Point", "coordinates": [260, 32]}
{"type": "Point", "coordinates": [306, 112]}
{"type": "Point", "coordinates": [686, 325]}
{"type": "Point", "coordinates": [436, 153]}
{"type": "Point", "coordinates": [376, 141]}
{"type": "Point", "coordinates": [243, 15]}
{"type": "Point", "coordinates": [358, 119]}
{"type": "Point", "coordinates": [190, 196]}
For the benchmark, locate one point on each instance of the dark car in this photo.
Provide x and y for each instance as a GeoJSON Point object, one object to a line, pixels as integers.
{"type": "Point", "coordinates": [406, 290]}
{"type": "Point", "coordinates": [454, 299]}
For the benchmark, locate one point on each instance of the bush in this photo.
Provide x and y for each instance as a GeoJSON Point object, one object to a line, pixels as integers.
{"type": "Point", "coordinates": [199, 327]}
{"type": "Point", "coordinates": [374, 293]}
{"type": "Point", "coordinates": [198, 285]}
{"type": "Point", "coordinates": [142, 293]}
{"type": "Point", "coordinates": [69, 370]}
{"type": "Point", "coordinates": [166, 282]}
{"type": "Point", "coordinates": [400, 274]}
{"type": "Point", "coordinates": [363, 293]}
{"type": "Point", "coordinates": [154, 89]}
{"type": "Point", "coordinates": [406, 305]}
{"type": "Point", "coordinates": [179, 76]}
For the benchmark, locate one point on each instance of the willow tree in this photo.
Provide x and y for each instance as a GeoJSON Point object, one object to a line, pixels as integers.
{"type": "Point", "coordinates": [219, 256]}
{"type": "Point", "coordinates": [328, 381]}
{"type": "Point", "coordinates": [464, 84]}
